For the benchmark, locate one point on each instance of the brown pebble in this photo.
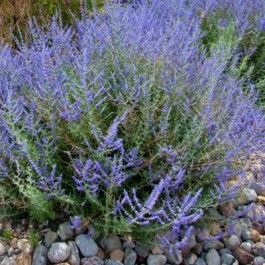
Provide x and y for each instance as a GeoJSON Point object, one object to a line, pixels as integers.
{"type": "Point", "coordinates": [255, 236]}
{"type": "Point", "coordinates": [101, 254]}
{"type": "Point", "coordinates": [197, 249]}
{"type": "Point", "coordinates": [157, 250]}
{"type": "Point", "coordinates": [215, 228]}
{"type": "Point", "coordinates": [117, 254]}
{"type": "Point", "coordinates": [227, 209]}
{"type": "Point", "coordinates": [185, 251]}
{"type": "Point", "coordinates": [23, 259]}
{"type": "Point", "coordinates": [261, 199]}
{"type": "Point", "coordinates": [243, 256]}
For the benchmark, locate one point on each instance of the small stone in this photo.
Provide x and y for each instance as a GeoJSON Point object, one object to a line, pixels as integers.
{"type": "Point", "coordinates": [192, 241]}
{"type": "Point", "coordinates": [129, 257]}
{"type": "Point", "coordinates": [203, 235]}
{"type": "Point", "coordinates": [40, 255]}
{"type": "Point", "coordinates": [258, 227]}
{"type": "Point", "coordinates": [86, 245]}
{"type": "Point", "coordinates": [128, 243]}
{"type": "Point", "coordinates": [157, 250]}
{"type": "Point", "coordinates": [64, 231]}
{"type": "Point", "coordinates": [227, 209]}
{"type": "Point", "coordinates": [10, 251]}
{"type": "Point", "coordinates": [101, 253]}
{"type": "Point", "coordinates": [200, 261]}
{"type": "Point", "coordinates": [142, 250]}
{"type": "Point", "coordinates": [247, 196]}
{"type": "Point", "coordinates": [117, 254]}
{"type": "Point", "coordinates": [227, 259]}
{"type": "Point", "coordinates": [213, 258]}
{"type": "Point", "coordinates": [112, 262]}
{"type": "Point", "coordinates": [246, 235]}
{"type": "Point", "coordinates": [73, 258]}
{"type": "Point", "coordinates": [50, 238]}
{"type": "Point", "coordinates": [259, 249]}
{"type": "Point", "coordinates": [185, 251]}
{"type": "Point", "coordinates": [197, 249]}
{"type": "Point", "coordinates": [156, 260]}
{"type": "Point", "coordinates": [256, 213]}
{"type": "Point", "coordinates": [258, 261]}
{"type": "Point", "coordinates": [4, 260]}
{"type": "Point", "coordinates": [191, 259]}
{"type": "Point", "coordinates": [215, 228]}
{"type": "Point", "coordinates": [111, 243]}
{"type": "Point", "coordinates": [234, 228]}
{"type": "Point", "coordinates": [225, 251]}
{"type": "Point", "coordinates": [212, 243]}
{"type": "Point", "coordinates": [2, 249]}
{"type": "Point", "coordinates": [176, 258]}
{"type": "Point", "coordinates": [255, 235]}
{"type": "Point", "coordinates": [243, 256]}
{"type": "Point", "coordinates": [23, 259]}
{"type": "Point", "coordinates": [24, 245]}
{"type": "Point", "coordinates": [58, 252]}
{"type": "Point", "coordinates": [247, 246]}
{"type": "Point", "coordinates": [231, 241]}
{"type": "Point", "coordinates": [261, 199]}
{"type": "Point", "coordinates": [92, 261]}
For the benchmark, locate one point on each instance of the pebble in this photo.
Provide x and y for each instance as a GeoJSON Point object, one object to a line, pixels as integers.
{"type": "Point", "coordinates": [142, 250]}
{"type": "Point", "coordinates": [64, 231]}
{"type": "Point", "coordinates": [231, 241]}
{"type": "Point", "coordinates": [213, 258]}
{"type": "Point", "coordinates": [200, 261]}
{"type": "Point", "coordinates": [130, 256]}
{"type": "Point", "coordinates": [111, 243]}
{"type": "Point", "coordinates": [247, 246]}
{"type": "Point", "coordinates": [258, 261]}
{"type": "Point", "coordinates": [191, 259]}
{"type": "Point", "coordinates": [4, 260]}
{"type": "Point", "coordinates": [255, 235]}
{"type": "Point", "coordinates": [246, 235]}
{"type": "Point", "coordinates": [227, 259]}
{"type": "Point", "coordinates": [212, 243]}
{"type": "Point", "coordinates": [243, 256]}
{"type": "Point", "coordinates": [156, 259]}
{"type": "Point", "coordinates": [86, 245]}
{"type": "Point", "coordinates": [40, 255]}
{"type": "Point", "coordinates": [24, 245]}
{"type": "Point", "coordinates": [2, 249]}
{"type": "Point", "coordinates": [23, 259]}
{"type": "Point", "coordinates": [50, 238]}
{"type": "Point", "coordinates": [176, 258]}
{"type": "Point", "coordinates": [117, 254]}
{"type": "Point", "coordinates": [73, 258]}
{"type": "Point", "coordinates": [157, 250]}
{"type": "Point", "coordinates": [197, 249]}
{"type": "Point", "coordinates": [225, 251]}
{"type": "Point", "coordinates": [246, 196]}
{"type": "Point", "coordinates": [58, 252]}
{"type": "Point", "coordinates": [259, 249]}
{"type": "Point", "coordinates": [113, 262]}
{"type": "Point", "coordinates": [92, 261]}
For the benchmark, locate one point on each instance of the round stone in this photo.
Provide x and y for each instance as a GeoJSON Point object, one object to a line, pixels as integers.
{"type": "Point", "coordinates": [58, 252]}
{"type": "Point", "coordinates": [247, 246]}
{"type": "Point", "coordinates": [92, 261]}
{"type": "Point", "coordinates": [258, 260]}
{"type": "Point", "coordinates": [24, 245]}
{"type": "Point", "coordinates": [86, 245]}
{"type": "Point", "coordinates": [231, 241]}
{"type": "Point", "coordinates": [130, 257]}
{"type": "Point", "coordinates": [190, 259]}
{"type": "Point", "coordinates": [73, 258]}
{"type": "Point", "coordinates": [50, 238]}
{"type": "Point", "coordinates": [156, 260]}
{"type": "Point", "coordinates": [2, 249]}
{"type": "Point", "coordinates": [40, 255]}
{"type": "Point", "coordinates": [213, 258]}
{"type": "Point", "coordinates": [212, 243]}
{"type": "Point", "coordinates": [64, 231]}
{"type": "Point", "coordinates": [200, 261]}
{"type": "Point", "coordinates": [227, 259]}
{"type": "Point", "coordinates": [111, 243]}
{"type": "Point", "coordinates": [117, 254]}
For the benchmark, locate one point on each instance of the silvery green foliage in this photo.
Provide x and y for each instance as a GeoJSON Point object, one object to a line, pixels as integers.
{"type": "Point", "coordinates": [130, 99]}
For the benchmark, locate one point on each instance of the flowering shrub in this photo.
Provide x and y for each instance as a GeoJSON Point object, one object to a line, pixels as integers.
{"type": "Point", "coordinates": [137, 116]}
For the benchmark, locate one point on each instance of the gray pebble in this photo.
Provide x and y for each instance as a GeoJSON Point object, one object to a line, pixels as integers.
{"type": "Point", "coordinates": [64, 231]}
{"type": "Point", "coordinates": [73, 258]}
{"type": "Point", "coordinates": [86, 245]}
{"type": "Point", "coordinates": [213, 258]}
{"type": "Point", "coordinates": [142, 250]}
{"type": "Point", "coordinates": [259, 249]}
{"type": "Point", "coordinates": [225, 251]}
{"type": "Point", "coordinates": [40, 255]}
{"type": "Point", "coordinates": [212, 243]}
{"type": "Point", "coordinates": [247, 246]}
{"type": "Point", "coordinates": [156, 260]}
{"type": "Point", "coordinates": [50, 238]}
{"type": "Point", "coordinates": [258, 260]}
{"type": "Point", "coordinates": [200, 261]}
{"type": "Point", "coordinates": [190, 259]}
{"type": "Point", "coordinates": [111, 243]}
{"type": "Point", "coordinates": [231, 241]}
{"type": "Point", "coordinates": [227, 259]}
{"type": "Point", "coordinates": [113, 262]}
{"type": "Point", "coordinates": [58, 252]}
{"type": "Point", "coordinates": [92, 261]}
{"type": "Point", "coordinates": [176, 258]}
{"type": "Point", "coordinates": [129, 257]}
